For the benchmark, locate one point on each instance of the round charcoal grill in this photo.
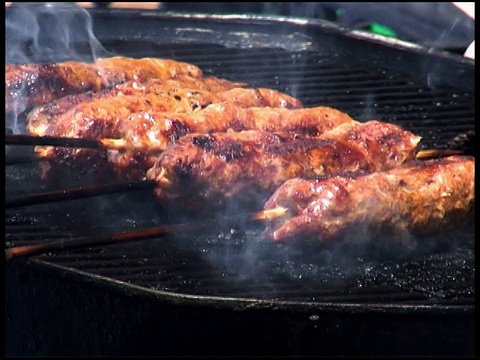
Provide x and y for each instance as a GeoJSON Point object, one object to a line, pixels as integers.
{"type": "Point", "coordinates": [221, 291]}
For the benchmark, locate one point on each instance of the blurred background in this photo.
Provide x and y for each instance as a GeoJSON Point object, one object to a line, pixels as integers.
{"type": "Point", "coordinates": [447, 26]}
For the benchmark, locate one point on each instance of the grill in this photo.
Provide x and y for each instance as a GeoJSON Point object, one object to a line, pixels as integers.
{"type": "Point", "coordinates": [218, 286]}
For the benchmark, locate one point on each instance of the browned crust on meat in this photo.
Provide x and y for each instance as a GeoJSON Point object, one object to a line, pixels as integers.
{"type": "Point", "coordinates": [167, 128]}
{"type": "Point", "coordinates": [110, 112]}
{"type": "Point", "coordinates": [210, 170]}
{"type": "Point", "coordinates": [28, 85]}
{"type": "Point", "coordinates": [150, 134]}
{"type": "Point", "coordinates": [158, 129]}
{"type": "Point", "coordinates": [129, 116]}
{"type": "Point", "coordinates": [417, 198]}
{"type": "Point", "coordinates": [46, 115]}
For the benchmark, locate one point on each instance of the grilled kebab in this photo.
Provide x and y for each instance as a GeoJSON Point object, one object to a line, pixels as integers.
{"type": "Point", "coordinates": [213, 171]}
{"type": "Point", "coordinates": [155, 130]}
{"type": "Point", "coordinates": [150, 133]}
{"type": "Point", "coordinates": [106, 117]}
{"type": "Point", "coordinates": [44, 115]}
{"type": "Point", "coordinates": [28, 85]}
{"type": "Point", "coordinates": [110, 117]}
{"type": "Point", "coordinates": [417, 198]}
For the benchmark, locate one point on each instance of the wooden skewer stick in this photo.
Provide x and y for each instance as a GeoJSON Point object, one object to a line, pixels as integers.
{"type": "Point", "coordinates": [135, 235]}
{"type": "Point", "coordinates": [122, 144]}
{"type": "Point", "coordinates": [84, 192]}
{"type": "Point", "coordinates": [19, 160]}
{"type": "Point", "coordinates": [433, 153]}
{"type": "Point", "coordinates": [81, 192]}
{"type": "Point", "coordinates": [28, 140]}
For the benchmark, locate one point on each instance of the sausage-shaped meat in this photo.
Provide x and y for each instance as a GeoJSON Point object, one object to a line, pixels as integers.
{"type": "Point", "coordinates": [44, 115]}
{"type": "Point", "coordinates": [216, 170]}
{"type": "Point", "coordinates": [28, 85]}
{"type": "Point", "coordinates": [149, 134]}
{"type": "Point", "coordinates": [131, 116]}
{"type": "Point", "coordinates": [153, 133]}
{"type": "Point", "coordinates": [104, 118]}
{"type": "Point", "coordinates": [112, 117]}
{"type": "Point", "coordinates": [417, 198]}
{"type": "Point", "coordinates": [158, 129]}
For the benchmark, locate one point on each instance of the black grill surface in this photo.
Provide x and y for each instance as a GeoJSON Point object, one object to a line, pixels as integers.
{"type": "Point", "coordinates": [229, 261]}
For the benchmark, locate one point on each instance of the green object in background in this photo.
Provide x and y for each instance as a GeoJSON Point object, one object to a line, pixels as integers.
{"type": "Point", "coordinates": [340, 12]}
{"type": "Point", "coordinates": [372, 27]}
{"type": "Point", "coordinates": [382, 30]}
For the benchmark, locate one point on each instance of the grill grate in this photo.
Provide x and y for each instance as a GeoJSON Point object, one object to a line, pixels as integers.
{"type": "Point", "coordinates": [230, 262]}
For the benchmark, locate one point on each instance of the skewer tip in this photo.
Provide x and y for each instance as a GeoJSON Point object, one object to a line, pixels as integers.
{"type": "Point", "coordinates": [115, 144]}
{"type": "Point", "coordinates": [161, 179]}
{"type": "Point", "coordinates": [433, 153]}
{"type": "Point", "coordinates": [24, 251]}
{"type": "Point", "coordinates": [270, 214]}
{"type": "Point", "coordinates": [14, 252]}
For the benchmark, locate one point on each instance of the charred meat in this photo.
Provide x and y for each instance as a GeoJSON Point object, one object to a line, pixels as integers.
{"type": "Point", "coordinates": [107, 117]}
{"type": "Point", "coordinates": [130, 116]}
{"type": "Point", "coordinates": [150, 133]}
{"type": "Point", "coordinates": [115, 118]}
{"type": "Point", "coordinates": [28, 85]}
{"type": "Point", "coordinates": [44, 115]}
{"type": "Point", "coordinates": [155, 130]}
{"type": "Point", "coordinates": [416, 198]}
{"type": "Point", "coordinates": [214, 171]}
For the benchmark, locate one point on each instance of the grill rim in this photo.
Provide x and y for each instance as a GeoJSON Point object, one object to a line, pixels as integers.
{"type": "Point", "coordinates": [312, 29]}
{"type": "Point", "coordinates": [241, 304]}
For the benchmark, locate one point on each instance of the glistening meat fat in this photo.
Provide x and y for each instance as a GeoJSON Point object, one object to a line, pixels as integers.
{"type": "Point", "coordinates": [46, 115]}
{"type": "Point", "coordinates": [149, 133]}
{"type": "Point", "coordinates": [108, 117]}
{"type": "Point", "coordinates": [417, 198]}
{"type": "Point", "coordinates": [214, 171]}
{"type": "Point", "coordinates": [156, 130]}
{"type": "Point", "coordinates": [28, 85]}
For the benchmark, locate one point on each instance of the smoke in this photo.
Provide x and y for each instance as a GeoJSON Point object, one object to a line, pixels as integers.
{"type": "Point", "coordinates": [49, 32]}
{"type": "Point", "coordinates": [46, 33]}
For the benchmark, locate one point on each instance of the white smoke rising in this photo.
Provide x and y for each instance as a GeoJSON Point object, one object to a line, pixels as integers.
{"type": "Point", "coordinates": [46, 33]}
{"type": "Point", "coordinates": [50, 32]}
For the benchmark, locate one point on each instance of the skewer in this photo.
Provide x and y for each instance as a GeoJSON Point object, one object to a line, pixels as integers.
{"type": "Point", "coordinates": [26, 159]}
{"type": "Point", "coordinates": [100, 190]}
{"type": "Point", "coordinates": [81, 192]}
{"type": "Point", "coordinates": [434, 153]}
{"type": "Point", "coordinates": [135, 235]}
{"type": "Point", "coordinates": [28, 140]}
{"type": "Point", "coordinates": [121, 144]}
{"type": "Point", "coordinates": [116, 144]}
